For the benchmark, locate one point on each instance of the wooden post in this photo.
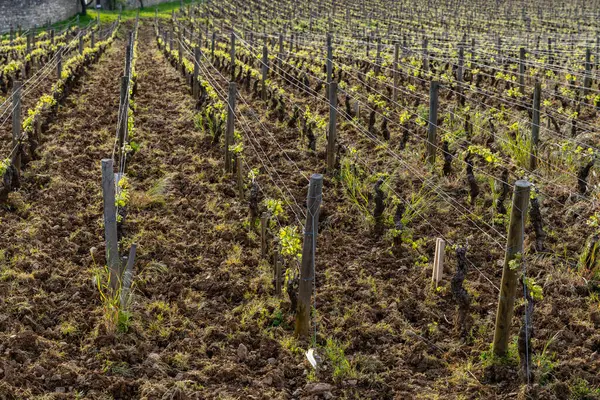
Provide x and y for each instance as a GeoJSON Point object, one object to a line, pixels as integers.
{"type": "Point", "coordinates": [128, 51]}
{"type": "Point", "coordinates": [81, 43]}
{"type": "Point", "coordinates": [395, 72]}
{"type": "Point", "coordinates": [438, 261]}
{"type": "Point", "coordinates": [307, 269]}
{"type": "Point", "coordinates": [535, 126]}
{"type": "Point", "coordinates": [332, 134]}
{"type": "Point", "coordinates": [180, 48]}
{"type": "Point", "coordinates": [522, 70]}
{"type": "Point", "coordinates": [195, 82]}
{"type": "Point", "coordinates": [329, 59]}
{"type": "Point", "coordinates": [460, 73]}
{"type": "Point", "coordinates": [509, 276]}
{"type": "Point", "coordinates": [587, 80]}
{"type": "Point", "coordinates": [93, 43]}
{"type": "Point", "coordinates": [212, 45]}
{"type": "Point", "coordinates": [59, 63]}
{"type": "Point", "coordinates": [280, 56]}
{"type": "Point", "coordinates": [378, 57]}
{"type": "Point", "coordinates": [277, 270]}
{"type": "Point", "coordinates": [110, 224]}
{"type": "Point", "coordinates": [230, 125]}
{"type": "Point", "coordinates": [433, 111]}
{"type": "Point", "coordinates": [232, 55]}
{"type": "Point", "coordinates": [28, 50]}
{"type": "Point", "coordinates": [16, 122]}
{"type": "Point", "coordinates": [425, 56]}
{"type": "Point", "coordinates": [52, 37]}
{"type": "Point", "coordinates": [264, 219]}
{"type": "Point", "coordinates": [123, 112]}
{"type": "Point", "coordinates": [265, 71]}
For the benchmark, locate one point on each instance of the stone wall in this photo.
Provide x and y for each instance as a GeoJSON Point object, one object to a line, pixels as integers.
{"type": "Point", "coordinates": [28, 13]}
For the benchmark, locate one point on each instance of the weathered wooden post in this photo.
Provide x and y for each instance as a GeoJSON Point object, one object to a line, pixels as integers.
{"type": "Point", "coordinates": [514, 248]}
{"type": "Point", "coordinates": [587, 80]}
{"type": "Point", "coordinates": [265, 71]}
{"type": "Point", "coordinates": [438, 261]}
{"type": "Point", "coordinates": [28, 49]}
{"type": "Point", "coordinates": [59, 62]}
{"type": "Point", "coordinates": [378, 57]}
{"type": "Point", "coordinates": [110, 224]}
{"type": "Point", "coordinates": [329, 59]}
{"type": "Point", "coordinates": [522, 70]}
{"type": "Point", "coordinates": [232, 55]}
{"type": "Point", "coordinates": [128, 52]}
{"type": "Point", "coordinates": [179, 48]}
{"type": "Point", "coordinates": [395, 72]}
{"type": "Point", "coordinates": [16, 122]}
{"type": "Point", "coordinates": [307, 269]}
{"type": "Point", "coordinates": [332, 134]}
{"type": "Point", "coordinates": [425, 55]}
{"type": "Point", "coordinates": [195, 82]}
{"type": "Point", "coordinates": [264, 219]}
{"type": "Point", "coordinates": [280, 56]}
{"type": "Point", "coordinates": [460, 73]}
{"type": "Point", "coordinates": [535, 126]}
{"type": "Point", "coordinates": [230, 124]}
{"type": "Point", "coordinates": [212, 45]}
{"type": "Point", "coordinates": [123, 112]}
{"type": "Point", "coordinates": [93, 39]}
{"type": "Point", "coordinates": [81, 43]}
{"type": "Point", "coordinates": [433, 111]}
{"type": "Point", "coordinates": [52, 37]}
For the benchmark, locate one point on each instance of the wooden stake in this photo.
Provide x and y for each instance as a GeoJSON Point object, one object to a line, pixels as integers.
{"type": "Point", "coordinates": [195, 82]}
{"type": "Point", "coordinates": [110, 224]}
{"type": "Point", "coordinates": [16, 123]}
{"type": "Point", "coordinates": [438, 261]}
{"type": "Point", "coordinates": [123, 113]}
{"type": "Point", "coordinates": [232, 55]}
{"type": "Point", "coordinates": [433, 111]}
{"type": "Point", "coordinates": [332, 134]}
{"type": "Point", "coordinates": [265, 71]}
{"type": "Point", "coordinates": [535, 126]}
{"type": "Point", "coordinates": [59, 63]}
{"type": "Point", "coordinates": [509, 276]}
{"type": "Point", "coordinates": [460, 73]}
{"type": "Point", "coordinates": [307, 270]}
{"type": "Point", "coordinates": [522, 70]}
{"type": "Point", "coordinates": [329, 60]}
{"type": "Point", "coordinates": [395, 72]}
{"type": "Point", "coordinates": [230, 125]}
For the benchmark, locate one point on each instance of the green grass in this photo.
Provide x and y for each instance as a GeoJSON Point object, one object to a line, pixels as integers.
{"type": "Point", "coordinates": [109, 16]}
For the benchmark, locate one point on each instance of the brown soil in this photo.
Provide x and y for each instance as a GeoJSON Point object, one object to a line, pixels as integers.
{"type": "Point", "coordinates": [205, 323]}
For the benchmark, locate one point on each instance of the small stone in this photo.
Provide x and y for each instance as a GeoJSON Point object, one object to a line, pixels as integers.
{"type": "Point", "coordinates": [297, 392]}
{"type": "Point", "coordinates": [153, 358]}
{"type": "Point", "coordinates": [327, 395]}
{"type": "Point", "coordinates": [60, 389]}
{"type": "Point", "coordinates": [268, 381]}
{"type": "Point", "coordinates": [352, 382]}
{"type": "Point", "coordinates": [242, 352]}
{"type": "Point", "coordinates": [179, 377]}
{"type": "Point", "coordinates": [317, 388]}
{"type": "Point", "coordinates": [272, 361]}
